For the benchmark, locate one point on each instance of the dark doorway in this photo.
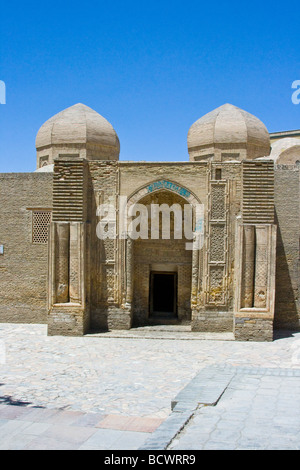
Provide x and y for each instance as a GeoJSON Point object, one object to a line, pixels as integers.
{"type": "Point", "coordinates": [163, 294]}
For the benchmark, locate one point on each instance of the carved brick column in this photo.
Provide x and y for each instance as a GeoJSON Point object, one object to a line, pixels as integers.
{"type": "Point", "coordinates": [76, 262]}
{"type": "Point", "coordinates": [62, 262]}
{"type": "Point", "coordinates": [248, 254]}
{"type": "Point", "coordinates": [261, 267]}
{"type": "Point", "coordinates": [129, 272]}
{"type": "Point", "coordinates": [195, 272]}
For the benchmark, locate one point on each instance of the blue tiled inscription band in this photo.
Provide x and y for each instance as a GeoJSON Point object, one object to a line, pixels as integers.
{"type": "Point", "coordinates": [164, 184]}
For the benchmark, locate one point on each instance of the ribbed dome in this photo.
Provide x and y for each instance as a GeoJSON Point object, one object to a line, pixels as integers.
{"type": "Point", "coordinates": [225, 128]}
{"type": "Point", "coordinates": [80, 124]}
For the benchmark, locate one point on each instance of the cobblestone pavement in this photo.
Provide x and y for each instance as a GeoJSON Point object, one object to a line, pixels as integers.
{"type": "Point", "coordinates": [118, 388]}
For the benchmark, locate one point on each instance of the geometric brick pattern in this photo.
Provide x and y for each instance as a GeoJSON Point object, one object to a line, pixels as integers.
{"type": "Point", "coordinates": [40, 226]}
{"type": "Point", "coordinates": [218, 209]}
{"type": "Point", "coordinates": [217, 242]}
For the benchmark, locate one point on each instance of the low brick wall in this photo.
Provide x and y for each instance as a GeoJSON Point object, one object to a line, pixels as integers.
{"type": "Point", "coordinates": [253, 329]}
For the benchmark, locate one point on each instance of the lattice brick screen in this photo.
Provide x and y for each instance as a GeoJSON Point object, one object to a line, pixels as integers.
{"type": "Point", "coordinates": [40, 226]}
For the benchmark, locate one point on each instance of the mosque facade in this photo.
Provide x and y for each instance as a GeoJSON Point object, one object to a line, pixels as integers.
{"type": "Point", "coordinates": [89, 242]}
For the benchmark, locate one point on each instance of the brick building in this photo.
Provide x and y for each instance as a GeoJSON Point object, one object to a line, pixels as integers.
{"type": "Point", "coordinates": [242, 187]}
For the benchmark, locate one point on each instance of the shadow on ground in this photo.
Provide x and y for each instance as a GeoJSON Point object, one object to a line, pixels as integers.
{"type": "Point", "coordinates": [280, 334]}
{"type": "Point", "coordinates": [7, 400]}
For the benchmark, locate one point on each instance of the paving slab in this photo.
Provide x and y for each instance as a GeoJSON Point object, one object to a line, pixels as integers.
{"type": "Point", "coordinates": [253, 419]}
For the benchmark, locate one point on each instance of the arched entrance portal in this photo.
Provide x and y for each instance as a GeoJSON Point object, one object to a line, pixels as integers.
{"type": "Point", "coordinates": [162, 267]}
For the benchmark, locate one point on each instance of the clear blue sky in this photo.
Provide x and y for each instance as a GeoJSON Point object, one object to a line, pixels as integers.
{"type": "Point", "coordinates": [151, 68]}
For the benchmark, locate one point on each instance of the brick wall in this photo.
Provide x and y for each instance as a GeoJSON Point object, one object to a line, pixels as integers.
{"type": "Point", "coordinates": [287, 307]}
{"type": "Point", "coordinates": [23, 266]}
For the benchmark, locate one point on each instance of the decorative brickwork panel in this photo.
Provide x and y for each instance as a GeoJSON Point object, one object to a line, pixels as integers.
{"type": "Point", "coordinates": [109, 248]}
{"type": "Point", "coordinates": [62, 250]}
{"type": "Point", "coordinates": [258, 192]}
{"type": "Point", "coordinates": [217, 242]}
{"type": "Point", "coordinates": [69, 190]}
{"type": "Point", "coordinates": [248, 266]}
{"type": "Point", "coordinates": [108, 283]}
{"type": "Point", "coordinates": [216, 284]}
{"type": "Point", "coordinates": [218, 205]}
{"type": "Point", "coordinates": [40, 226]}
{"type": "Point", "coordinates": [261, 267]}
